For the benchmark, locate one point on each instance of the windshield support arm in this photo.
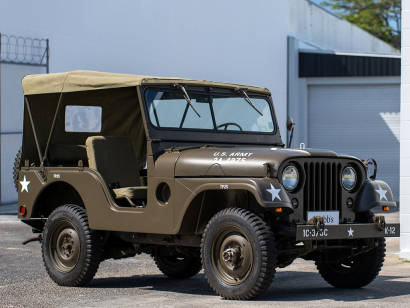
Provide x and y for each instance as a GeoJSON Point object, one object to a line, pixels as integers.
{"type": "Point", "coordinates": [34, 132]}
{"type": "Point", "coordinates": [52, 128]}
{"type": "Point", "coordinates": [248, 99]}
{"type": "Point", "coordinates": [186, 96]}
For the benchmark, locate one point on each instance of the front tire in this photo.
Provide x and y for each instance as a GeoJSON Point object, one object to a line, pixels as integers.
{"type": "Point", "coordinates": [238, 254]}
{"type": "Point", "coordinates": [71, 250]}
{"type": "Point", "coordinates": [178, 267]}
{"type": "Point", "coordinates": [355, 272]}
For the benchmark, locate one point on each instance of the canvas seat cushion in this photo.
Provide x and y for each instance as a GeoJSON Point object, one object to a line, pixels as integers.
{"type": "Point", "coordinates": [131, 192]}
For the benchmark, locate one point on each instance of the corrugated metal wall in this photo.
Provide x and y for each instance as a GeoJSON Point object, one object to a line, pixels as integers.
{"type": "Point", "coordinates": [11, 111]}
{"type": "Point", "coordinates": [359, 120]}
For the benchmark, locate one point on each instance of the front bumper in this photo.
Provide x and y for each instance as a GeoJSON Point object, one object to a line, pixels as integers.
{"type": "Point", "coordinates": [346, 231]}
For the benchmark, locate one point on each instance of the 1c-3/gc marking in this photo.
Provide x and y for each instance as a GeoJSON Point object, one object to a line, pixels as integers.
{"type": "Point", "coordinates": [314, 233]}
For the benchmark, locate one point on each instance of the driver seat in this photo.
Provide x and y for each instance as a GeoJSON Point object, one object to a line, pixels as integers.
{"type": "Point", "coordinates": [115, 158]}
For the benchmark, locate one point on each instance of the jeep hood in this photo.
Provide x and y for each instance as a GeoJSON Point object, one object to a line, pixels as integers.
{"type": "Point", "coordinates": [239, 161]}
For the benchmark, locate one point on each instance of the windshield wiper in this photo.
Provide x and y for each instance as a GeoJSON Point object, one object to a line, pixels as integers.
{"type": "Point", "coordinates": [248, 99]}
{"type": "Point", "coordinates": [186, 96]}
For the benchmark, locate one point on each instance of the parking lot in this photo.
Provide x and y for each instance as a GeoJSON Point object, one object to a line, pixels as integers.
{"type": "Point", "coordinates": [137, 282]}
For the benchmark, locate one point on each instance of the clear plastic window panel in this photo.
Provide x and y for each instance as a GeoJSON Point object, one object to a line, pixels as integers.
{"type": "Point", "coordinates": [85, 119]}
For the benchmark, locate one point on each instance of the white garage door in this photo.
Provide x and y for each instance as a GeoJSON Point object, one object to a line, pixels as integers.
{"type": "Point", "coordinates": [358, 120]}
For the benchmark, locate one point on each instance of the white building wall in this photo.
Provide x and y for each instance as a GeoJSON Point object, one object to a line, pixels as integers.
{"type": "Point", "coordinates": [405, 134]}
{"type": "Point", "coordinates": [11, 115]}
{"type": "Point", "coordinates": [314, 27]}
{"type": "Point", "coordinates": [233, 41]}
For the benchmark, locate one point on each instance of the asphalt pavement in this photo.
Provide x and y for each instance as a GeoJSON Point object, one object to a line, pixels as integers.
{"type": "Point", "coordinates": [137, 282]}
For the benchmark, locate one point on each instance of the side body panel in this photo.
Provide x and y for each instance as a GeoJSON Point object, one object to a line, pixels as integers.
{"type": "Point", "coordinates": [103, 213]}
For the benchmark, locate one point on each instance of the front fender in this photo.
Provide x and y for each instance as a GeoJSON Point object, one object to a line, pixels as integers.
{"type": "Point", "coordinates": [374, 194]}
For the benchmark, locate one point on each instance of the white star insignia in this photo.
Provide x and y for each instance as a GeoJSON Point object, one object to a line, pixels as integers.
{"type": "Point", "coordinates": [274, 192]}
{"type": "Point", "coordinates": [382, 193]}
{"type": "Point", "coordinates": [24, 184]}
{"type": "Point", "coordinates": [350, 231]}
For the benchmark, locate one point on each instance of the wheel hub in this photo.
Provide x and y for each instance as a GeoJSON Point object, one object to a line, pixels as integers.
{"type": "Point", "coordinates": [64, 247]}
{"type": "Point", "coordinates": [232, 256]}
{"type": "Point", "coordinates": [67, 248]}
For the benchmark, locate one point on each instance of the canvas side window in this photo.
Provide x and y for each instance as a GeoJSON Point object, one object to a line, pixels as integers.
{"type": "Point", "coordinates": [85, 119]}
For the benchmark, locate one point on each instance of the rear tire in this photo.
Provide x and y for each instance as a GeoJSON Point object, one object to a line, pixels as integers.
{"type": "Point", "coordinates": [355, 272]}
{"type": "Point", "coordinates": [238, 254]}
{"type": "Point", "coordinates": [71, 250]}
{"type": "Point", "coordinates": [178, 268]}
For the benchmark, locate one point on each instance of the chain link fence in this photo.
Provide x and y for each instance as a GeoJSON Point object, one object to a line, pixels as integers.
{"type": "Point", "coordinates": [18, 57]}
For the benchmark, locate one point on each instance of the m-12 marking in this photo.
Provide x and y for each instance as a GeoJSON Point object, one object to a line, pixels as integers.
{"type": "Point", "coordinates": [224, 186]}
{"type": "Point", "coordinates": [390, 230]}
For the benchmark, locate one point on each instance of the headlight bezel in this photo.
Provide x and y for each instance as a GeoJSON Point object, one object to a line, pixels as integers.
{"type": "Point", "coordinates": [291, 189]}
{"type": "Point", "coordinates": [349, 189]}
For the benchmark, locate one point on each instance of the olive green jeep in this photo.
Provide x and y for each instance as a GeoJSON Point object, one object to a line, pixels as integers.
{"type": "Point", "coordinates": [193, 173]}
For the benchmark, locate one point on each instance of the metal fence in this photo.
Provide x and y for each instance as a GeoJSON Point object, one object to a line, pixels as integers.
{"type": "Point", "coordinates": [18, 57]}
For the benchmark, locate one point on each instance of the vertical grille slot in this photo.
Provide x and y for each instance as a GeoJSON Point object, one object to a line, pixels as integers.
{"type": "Point", "coordinates": [322, 191]}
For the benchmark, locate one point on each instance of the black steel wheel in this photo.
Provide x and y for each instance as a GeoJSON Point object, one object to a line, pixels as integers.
{"type": "Point", "coordinates": [16, 169]}
{"type": "Point", "coordinates": [178, 267]}
{"type": "Point", "coordinates": [71, 250]}
{"type": "Point", "coordinates": [238, 254]}
{"type": "Point", "coordinates": [355, 272]}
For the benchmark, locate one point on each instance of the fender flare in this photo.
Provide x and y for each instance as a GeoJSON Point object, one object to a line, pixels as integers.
{"type": "Point", "coordinates": [374, 194]}
{"type": "Point", "coordinates": [257, 187]}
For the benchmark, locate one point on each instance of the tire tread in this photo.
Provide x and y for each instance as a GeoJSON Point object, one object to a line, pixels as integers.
{"type": "Point", "coordinates": [268, 253]}
{"type": "Point", "coordinates": [93, 246]}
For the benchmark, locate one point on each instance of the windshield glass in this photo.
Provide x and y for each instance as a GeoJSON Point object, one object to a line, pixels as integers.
{"type": "Point", "coordinates": [235, 113]}
{"type": "Point", "coordinates": [230, 113]}
{"type": "Point", "coordinates": [170, 109]}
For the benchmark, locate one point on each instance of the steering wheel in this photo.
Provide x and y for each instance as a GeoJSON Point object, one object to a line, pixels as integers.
{"type": "Point", "coordinates": [227, 124]}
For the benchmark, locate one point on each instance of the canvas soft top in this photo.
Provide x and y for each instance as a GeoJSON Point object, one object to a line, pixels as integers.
{"type": "Point", "coordinates": [89, 80]}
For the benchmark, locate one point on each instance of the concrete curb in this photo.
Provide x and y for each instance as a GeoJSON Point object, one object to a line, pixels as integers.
{"type": "Point", "coordinates": [10, 209]}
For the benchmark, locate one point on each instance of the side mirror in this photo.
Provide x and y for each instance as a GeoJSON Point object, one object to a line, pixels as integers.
{"type": "Point", "coordinates": [290, 124]}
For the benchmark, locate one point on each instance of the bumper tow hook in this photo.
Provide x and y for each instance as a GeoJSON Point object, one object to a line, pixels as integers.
{"type": "Point", "coordinates": [318, 222]}
{"type": "Point", "coordinates": [381, 222]}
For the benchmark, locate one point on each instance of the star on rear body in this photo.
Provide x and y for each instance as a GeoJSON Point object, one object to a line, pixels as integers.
{"type": "Point", "coordinates": [24, 184]}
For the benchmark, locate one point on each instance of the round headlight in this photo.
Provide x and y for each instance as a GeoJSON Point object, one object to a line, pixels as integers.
{"type": "Point", "coordinates": [349, 178]}
{"type": "Point", "coordinates": [290, 177]}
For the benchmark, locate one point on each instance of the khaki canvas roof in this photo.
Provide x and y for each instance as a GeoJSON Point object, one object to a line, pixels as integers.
{"type": "Point", "coordinates": [88, 80]}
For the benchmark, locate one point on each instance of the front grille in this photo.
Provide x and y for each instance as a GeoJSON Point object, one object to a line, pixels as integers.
{"type": "Point", "coordinates": [323, 190]}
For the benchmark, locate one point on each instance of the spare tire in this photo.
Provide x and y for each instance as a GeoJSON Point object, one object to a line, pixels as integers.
{"type": "Point", "coordinates": [16, 169]}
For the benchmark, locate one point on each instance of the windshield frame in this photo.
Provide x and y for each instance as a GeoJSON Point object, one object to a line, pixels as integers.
{"type": "Point", "coordinates": [170, 136]}
{"type": "Point", "coordinates": [210, 95]}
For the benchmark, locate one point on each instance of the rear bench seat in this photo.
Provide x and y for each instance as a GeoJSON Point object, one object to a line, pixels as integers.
{"type": "Point", "coordinates": [67, 155]}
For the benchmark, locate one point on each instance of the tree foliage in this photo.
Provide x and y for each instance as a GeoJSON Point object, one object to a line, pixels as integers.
{"type": "Point", "coordinates": [381, 18]}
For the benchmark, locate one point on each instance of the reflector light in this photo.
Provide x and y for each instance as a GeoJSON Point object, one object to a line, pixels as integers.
{"type": "Point", "coordinates": [23, 210]}
{"type": "Point", "coordinates": [278, 210]}
{"type": "Point", "coordinates": [385, 208]}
